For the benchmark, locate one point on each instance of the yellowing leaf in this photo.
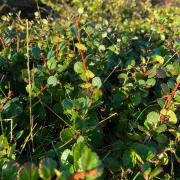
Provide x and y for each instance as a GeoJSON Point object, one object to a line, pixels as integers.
{"type": "Point", "coordinates": [89, 73]}
{"type": "Point", "coordinates": [86, 85]}
{"type": "Point", "coordinates": [112, 48]}
{"type": "Point", "coordinates": [172, 117]}
{"type": "Point", "coordinates": [170, 114]}
{"type": "Point", "coordinates": [81, 46]}
{"type": "Point", "coordinates": [158, 58]}
{"type": "Point", "coordinates": [163, 112]}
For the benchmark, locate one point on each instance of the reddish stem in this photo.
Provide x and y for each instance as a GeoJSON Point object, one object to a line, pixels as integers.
{"type": "Point", "coordinates": [2, 42]}
{"type": "Point", "coordinates": [81, 51]}
{"type": "Point", "coordinates": [170, 97]}
{"type": "Point", "coordinates": [42, 89]}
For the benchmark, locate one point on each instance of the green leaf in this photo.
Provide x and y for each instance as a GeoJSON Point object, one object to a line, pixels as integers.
{"type": "Point", "coordinates": [162, 139]}
{"type": "Point", "coordinates": [170, 114]}
{"type": "Point", "coordinates": [158, 58]}
{"type": "Point", "coordinates": [97, 94]}
{"type": "Point", "coordinates": [5, 52]}
{"type": "Point", "coordinates": [160, 73]}
{"type": "Point", "coordinates": [151, 82]}
{"type": "Point", "coordinates": [171, 84]}
{"type": "Point", "coordinates": [12, 109]}
{"type": "Point", "coordinates": [153, 118]}
{"type": "Point", "coordinates": [161, 128]}
{"type": "Point", "coordinates": [113, 163]}
{"type": "Point", "coordinates": [123, 77]}
{"type": "Point", "coordinates": [9, 170]}
{"type": "Point", "coordinates": [51, 64]}
{"type": "Point", "coordinates": [86, 160]}
{"type": "Point", "coordinates": [102, 48]}
{"type": "Point", "coordinates": [146, 152]}
{"type": "Point", "coordinates": [177, 96]}
{"type": "Point", "coordinates": [163, 157]}
{"type": "Point", "coordinates": [82, 103]}
{"type": "Point", "coordinates": [66, 134]}
{"type": "Point", "coordinates": [129, 160]}
{"type": "Point", "coordinates": [176, 68]}
{"type": "Point", "coordinates": [89, 160]}
{"type": "Point", "coordinates": [52, 80]}
{"type": "Point", "coordinates": [58, 108]}
{"type": "Point", "coordinates": [172, 117]}
{"type": "Point", "coordinates": [81, 46]}
{"type": "Point", "coordinates": [161, 102]}
{"type": "Point", "coordinates": [78, 150]}
{"type": "Point", "coordinates": [155, 172]}
{"type": "Point", "coordinates": [67, 159]}
{"type": "Point", "coordinates": [112, 48]}
{"type": "Point", "coordinates": [178, 79]}
{"type": "Point", "coordinates": [89, 30]}
{"type": "Point", "coordinates": [28, 172]}
{"type": "Point", "coordinates": [36, 52]}
{"type": "Point", "coordinates": [136, 98]}
{"type": "Point", "coordinates": [80, 10]}
{"type": "Point", "coordinates": [165, 89]}
{"type": "Point", "coordinates": [50, 54]}
{"type": "Point", "coordinates": [74, 31]}
{"type": "Point", "coordinates": [146, 168]}
{"type": "Point", "coordinates": [60, 28]}
{"type": "Point", "coordinates": [79, 67]}
{"type": "Point", "coordinates": [68, 103]}
{"type": "Point", "coordinates": [3, 142]}
{"type": "Point", "coordinates": [96, 82]}
{"type": "Point", "coordinates": [86, 85]}
{"type": "Point", "coordinates": [46, 168]}
{"type": "Point", "coordinates": [89, 74]}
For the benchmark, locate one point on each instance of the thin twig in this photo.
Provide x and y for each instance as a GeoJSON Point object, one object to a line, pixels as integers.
{"type": "Point", "coordinates": [66, 123]}
{"type": "Point", "coordinates": [29, 83]}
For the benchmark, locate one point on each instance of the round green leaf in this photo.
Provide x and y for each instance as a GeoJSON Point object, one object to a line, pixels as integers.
{"type": "Point", "coordinates": [46, 168]}
{"type": "Point", "coordinates": [52, 80]}
{"type": "Point", "coordinates": [80, 10]}
{"type": "Point", "coordinates": [165, 89]}
{"type": "Point", "coordinates": [78, 67]}
{"type": "Point", "coordinates": [36, 52]}
{"type": "Point", "coordinates": [102, 48]}
{"type": "Point", "coordinates": [162, 139]}
{"type": "Point", "coordinates": [172, 117]}
{"type": "Point", "coordinates": [66, 159]}
{"type": "Point", "coordinates": [161, 128]}
{"type": "Point", "coordinates": [96, 82]}
{"type": "Point", "coordinates": [66, 134]}
{"type": "Point", "coordinates": [9, 170]}
{"type": "Point", "coordinates": [151, 82]}
{"type": "Point", "coordinates": [153, 118]}
{"type": "Point", "coordinates": [68, 103]}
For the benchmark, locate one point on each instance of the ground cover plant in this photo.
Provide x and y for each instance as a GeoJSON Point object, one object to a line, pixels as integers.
{"type": "Point", "coordinates": [90, 95]}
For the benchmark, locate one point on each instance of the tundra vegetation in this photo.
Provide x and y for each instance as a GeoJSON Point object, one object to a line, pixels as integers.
{"type": "Point", "coordinates": [89, 90]}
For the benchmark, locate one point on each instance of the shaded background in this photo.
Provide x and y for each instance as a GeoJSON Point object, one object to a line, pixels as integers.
{"type": "Point", "coordinates": [53, 7]}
